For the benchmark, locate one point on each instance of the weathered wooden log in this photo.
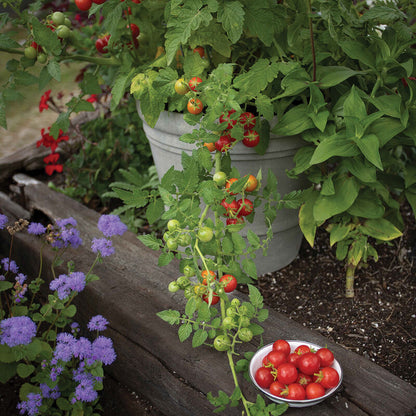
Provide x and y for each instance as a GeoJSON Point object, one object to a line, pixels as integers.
{"type": "Point", "coordinates": [172, 375]}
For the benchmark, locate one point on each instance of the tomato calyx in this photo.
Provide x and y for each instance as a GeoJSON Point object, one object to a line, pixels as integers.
{"type": "Point", "coordinates": [251, 138]}
{"type": "Point", "coordinates": [195, 106]}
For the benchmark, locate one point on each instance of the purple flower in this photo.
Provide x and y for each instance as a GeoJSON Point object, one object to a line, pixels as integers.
{"type": "Point", "coordinates": [82, 348]}
{"type": "Point", "coordinates": [97, 323]}
{"type": "Point", "coordinates": [103, 246]}
{"type": "Point", "coordinates": [47, 392]}
{"type": "Point", "coordinates": [64, 346]}
{"type": "Point", "coordinates": [20, 278]}
{"type": "Point", "coordinates": [85, 391]}
{"type": "Point", "coordinates": [64, 284]}
{"type": "Point", "coordinates": [10, 265]}
{"type": "Point", "coordinates": [3, 221]}
{"type": "Point", "coordinates": [55, 372]}
{"type": "Point", "coordinates": [77, 281]}
{"type": "Point", "coordinates": [111, 225]}
{"type": "Point", "coordinates": [18, 330]}
{"type": "Point", "coordinates": [102, 350]}
{"type": "Point", "coordinates": [36, 228]}
{"type": "Point", "coordinates": [67, 235]}
{"type": "Point", "coordinates": [31, 405]}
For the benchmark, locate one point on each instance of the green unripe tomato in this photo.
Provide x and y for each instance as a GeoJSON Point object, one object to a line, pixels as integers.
{"type": "Point", "coordinates": [222, 343]}
{"type": "Point", "coordinates": [235, 302]}
{"type": "Point", "coordinates": [67, 22]}
{"type": "Point", "coordinates": [205, 234]}
{"type": "Point", "coordinates": [220, 178]}
{"type": "Point", "coordinates": [171, 244]}
{"type": "Point", "coordinates": [242, 310]}
{"type": "Point", "coordinates": [30, 52]}
{"type": "Point", "coordinates": [231, 312]}
{"type": "Point", "coordinates": [183, 282]}
{"type": "Point", "coordinates": [184, 240]}
{"type": "Point", "coordinates": [173, 225]}
{"type": "Point", "coordinates": [173, 287]}
{"type": "Point", "coordinates": [245, 334]}
{"type": "Point", "coordinates": [42, 58]}
{"type": "Point", "coordinates": [188, 292]}
{"type": "Point", "coordinates": [166, 236]}
{"type": "Point", "coordinates": [228, 323]}
{"type": "Point", "coordinates": [188, 271]}
{"type": "Point", "coordinates": [58, 18]}
{"type": "Point", "coordinates": [244, 321]}
{"type": "Point", "coordinates": [63, 32]}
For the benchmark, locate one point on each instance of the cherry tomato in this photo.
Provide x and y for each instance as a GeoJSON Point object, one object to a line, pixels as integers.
{"type": "Point", "coordinates": [304, 379]}
{"type": "Point", "coordinates": [275, 358]}
{"type": "Point", "coordinates": [83, 5]}
{"type": "Point", "coordinates": [135, 31]}
{"type": "Point", "coordinates": [293, 358]}
{"type": "Point", "coordinates": [220, 178]}
{"type": "Point", "coordinates": [210, 146]}
{"type": "Point", "coordinates": [251, 138]}
{"type": "Point", "coordinates": [226, 119]}
{"type": "Point", "coordinates": [328, 377]}
{"type": "Point", "coordinates": [188, 271]}
{"type": "Point", "coordinates": [30, 52]}
{"type": "Point", "coordinates": [295, 392]}
{"type": "Point", "coordinates": [181, 87]}
{"type": "Point", "coordinates": [264, 377]}
{"type": "Point", "coordinates": [204, 275]}
{"type": "Point", "coordinates": [173, 225]}
{"type": "Point", "coordinates": [214, 301]}
{"type": "Point", "coordinates": [229, 183]}
{"type": "Point", "coordinates": [247, 120]}
{"type": "Point", "coordinates": [101, 45]}
{"type": "Point", "coordinates": [58, 18]}
{"type": "Point", "coordinates": [309, 363]}
{"type": "Point", "coordinates": [173, 287]}
{"type": "Point", "coordinates": [282, 346]}
{"type": "Point", "coordinates": [194, 82]}
{"type": "Point", "coordinates": [230, 282]}
{"type": "Point", "coordinates": [245, 334]}
{"type": "Point", "coordinates": [302, 349]}
{"type": "Point", "coordinates": [326, 356]}
{"type": "Point", "coordinates": [314, 390]}
{"type": "Point", "coordinates": [171, 244]}
{"type": "Point", "coordinates": [223, 144]}
{"type": "Point", "coordinates": [36, 46]}
{"type": "Point", "coordinates": [184, 240]}
{"type": "Point", "coordinates": [195, 106]}
{"type": "Point", "coordinates": [63, 32]}
{"type": "Point", "coordinates": [183, 281]}
{"type": "Point", "coordinates": [245, 207]}
{"type": "Point", "coordinates": [234, 221]}
{"type": "Point", "coordinates": [205, 234]}
{"type": "Point", "coordinates": [200, 50]}
{"type": "Point", "coordinates": [222, 343]}
{"type": "Point", "coordinates": [287, 373]}
{"type": "Point", "coordinates": [277, 389]}
{"type": "Point", "coordinates": [251, 185]}
{"type": "Point", "coordinates": [231, 208]}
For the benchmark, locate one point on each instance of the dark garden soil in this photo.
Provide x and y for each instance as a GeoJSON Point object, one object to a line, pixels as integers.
{"type": "Point", "coordinates": [379, 323]}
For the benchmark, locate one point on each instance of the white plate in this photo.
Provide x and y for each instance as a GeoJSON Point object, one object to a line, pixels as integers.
{"type": "Point", "coordinates": [257, 361]}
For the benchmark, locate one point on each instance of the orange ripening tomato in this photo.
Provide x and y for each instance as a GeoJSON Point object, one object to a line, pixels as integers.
{"type": "Point", "coordinates": [252, 184]}
{"type": "Point", "coordinates": [210, 146]}
{"type": "Point", "coordinates": [204, 275]}
{"type": "Point", "coordinates": [195, 106]}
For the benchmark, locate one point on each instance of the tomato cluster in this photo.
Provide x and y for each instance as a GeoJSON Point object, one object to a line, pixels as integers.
{"type": "Point", "coordinates": [299, 374]}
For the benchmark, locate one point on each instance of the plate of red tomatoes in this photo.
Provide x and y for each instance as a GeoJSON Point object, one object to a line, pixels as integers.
{"type": "Point", "coordinates": [295, 372]}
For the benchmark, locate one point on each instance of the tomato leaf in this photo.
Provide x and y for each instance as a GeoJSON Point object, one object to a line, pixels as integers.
{"type": "Point", "coordinates": [184, 331]}
{"type": "Point", "coordinates": [170, 316]}
{"type": "Point", "coordinates": [199, 337]}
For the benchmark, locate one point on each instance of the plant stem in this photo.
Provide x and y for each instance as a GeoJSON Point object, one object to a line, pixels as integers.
{"type": "Point", "coordinates": [312, 40]}
{"type": "Point", "coordinates": [231, 363]}
{"type": "Point", "coordinates": [349, 282]}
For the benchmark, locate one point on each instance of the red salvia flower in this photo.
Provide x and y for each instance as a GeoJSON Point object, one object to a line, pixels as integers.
{"type": "Point", "coordinates": [93, 98]}
{"type": "Point", "coordinates": [43, 105]}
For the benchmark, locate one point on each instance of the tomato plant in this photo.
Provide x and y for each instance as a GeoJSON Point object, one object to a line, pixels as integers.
{"type": "Point", "coordinates": [194, 82]}
{"type": "Point", "coordinates": [229, 282]}
{"type": "Point", "coordinates": [251, 138]}
{"type": "Point", "coordinates": [181, 87]}
{"type": "Point", "coordinates": [195, 106]}
{"type": "Point", "coordinates": [205, 234]}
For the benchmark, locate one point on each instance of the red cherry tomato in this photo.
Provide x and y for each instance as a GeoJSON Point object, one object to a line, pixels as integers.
{"type": "Point", "coordinates": [281, 344]}
{"type": "Point", "coordinates": [135, 31]}
{"type": "Point", "coordinates": [230, 282]}
{"type": "Point", "coordinates": [234, 221]}
{"type": "Point", "coordinates": [83, 5]}
{"type": "Point", "coordinates": [277, 389]}
{"type": "Point", "coordinates": [314, 390]}
{"type": "Point", "coordinates": [296, 392]}
{"type": "Point", "coordinates": [264, 377]}
{"type": "Point", "coordinates": [287, 373]}
{"type": "Point", "coordinates": [214, 301]}
{"type": "Point", "coordinates": [302, 349]}
{"type": "Point", "coordinates": [251, 138]}
{"type": "Point", "coordinates": [304, 379]}
{"type": "Point", "coordinates": [231, 208]}
{"type": "Point", "coordinates": [247, 120]}
{"type": "Point", "coordinates": [293, 358]}
{"type": "Point", "coordinates": [275, 358]}
{"type": "Point", "coordinates": [246, 207]}
{"type": "Point", "coordinates": [195, 106]}
{"type": "Point", "coordinates": [227, 119]}
{"type": "Point", "coordinates": [328, 377]}
{"type": "Point", "coordinates": [200, 50]}
{"type": "Point", "coordinates": [229, 183]}
{"type": "Point", "coordinates": [194, 82]}
{"type": "Point", "coordinates": [204, 275]}
{"type": "Point", "coordinates": [309, 363]}
{"type": "Point", "coordinates": [223, 144]}
{"type": "Point", "coordinates": [326, 356]}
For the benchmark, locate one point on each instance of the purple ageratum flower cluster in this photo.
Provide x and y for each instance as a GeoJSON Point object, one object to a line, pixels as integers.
{"type": "Point", "coordinates": [102, 246]}
{"type": "Point", "coordinates": [49, 393]}
{"type": "Point", "coordinates": [85, 391]}
{"type": "Point", "coordinates": [9, 265]}
{"type": "Point", "coordinates": [97, 323]}
{"type": "Point", "coordinates": [67, 234]}
{"type": "Point", "coordinates": [36, 228]}
{"type": "Point", "coordinates": [111, 225]}
{"type": "Point", "coordinates": [102, 350]}
{"type": "Point", "coordinates": [18, 330]}
{"type": "Point", "coordinates": [31, 405]}
{"type": "Point", "coordinates": [65, 284]}
{"type": "Point", "coordinates": [21, 278]}
{"type": "Point", "coordinates": [3, 221]}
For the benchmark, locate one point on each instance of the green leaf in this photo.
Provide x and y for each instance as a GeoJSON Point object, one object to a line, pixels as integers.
{"type": "Point", "coordinates": [170, 316]}
{"type": "Point", "coordinates": [249, 266]}
{"type": "Point", "coordinates": [27, 388]}
{"type": "Point", "coordinates": [63, 404]}
{"type": "Point", "coordinates": [7, 42]}
{"type": "Point", "coordinates": [150, 241]}
{"type": "Point", "coordinates": [24, 370]}
{"type": "Point", "coordinates": [24, 78]}
{"type": "Point", "coordinates": [381, 229]}
{"type": "Point", "coordinates": [255, 296]}
{"type": "Point", "coordinates": [369, 146]}
{"type": "Point", "coordinates": [264, 106]}
{"type": "Point", "coordinates": [44, 78]}
{"type": "Point", "coordinates": [367, 205]}
{"type": "Point", "coordinates": [154, 210]}
{"type": "Point", "coordinates": [361, 169]}
{"type": "Point", "coordinates": [5, 285]}
{"type": "Point", "coordinates": [54, 70]}
{"type": "Point", "coordinates": [339, 232]}
{"type": "Point", "coordinates": [359, 51]}
{"type": "Point", "coordinates": [165, 258]}
{"type": "Point", "coordinates": [346, 191]}
{"type": "Point", "coordinates": [89, 85]}
{"type": "Point", "coordinates": [329, 76]}
{"type": "Point", "coordinates": [61, 123]}
{"type": "Point", "coordinates": [231, 15]}
{"type": "Point", "coordinates": [199, 337]}
{"type": "Point", "coordinates": [385, 129]}
{"type": "Point", "coordinates": [253, 239]}
{"type": "Point", "coordinates": [70, 311]}
{"type": "Point", "coordinates": [260, 21]}
{"type": "Point", "coordinates": [6, 354]}
{"type": "Point", "coordinates": [190, 307]}
{"type": "Point", "coordinates": [337, 145]}
{"type": "Point", "coordinates": [45, 37]}
{"type": "Point", "coordinates": [294, 121]}
{"type": "Point", "coordinates": [262, 315]}
{"type": "Point", "coordinates": [78, 104]}
{"type": "Point", "coordinates": [7, 371]}
{"type": "Point", "coordinates": [238, 242]}
{"type": "Point", "coordinates": [184, 331]}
